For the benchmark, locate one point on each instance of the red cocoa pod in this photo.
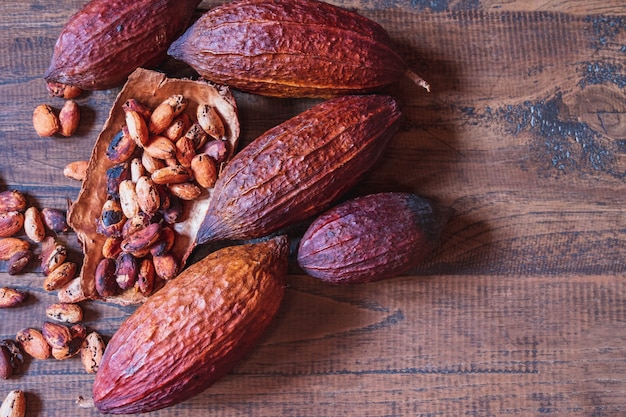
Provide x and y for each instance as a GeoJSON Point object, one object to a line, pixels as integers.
{"type": "Point", "coordinates": [204, 321]}
{"type": "Point", "coordinates": [371, 238]}
{"type": "Point", "coordinates": [104, 42]}
{"type": "Point", "coordinates": [298, 168]}
{"type": "Point", "coordinates": [292, 48]}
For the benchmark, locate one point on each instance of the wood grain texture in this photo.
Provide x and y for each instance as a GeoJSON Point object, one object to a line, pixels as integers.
{"type": "Point", "coordinates": [521, 309]}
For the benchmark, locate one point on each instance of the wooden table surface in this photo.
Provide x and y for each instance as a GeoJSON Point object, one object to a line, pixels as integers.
{"type": "Point", "coordinates": [521, 311]}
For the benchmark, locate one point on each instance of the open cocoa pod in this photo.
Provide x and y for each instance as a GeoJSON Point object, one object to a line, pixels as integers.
{"type": "Point", "coordinates": [163, 235]}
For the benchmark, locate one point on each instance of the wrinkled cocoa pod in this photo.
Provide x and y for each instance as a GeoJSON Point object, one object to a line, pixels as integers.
{"type": "Point", "coordinates": [371, 238]}
{"type": "Point", "coordinates": [292, 48]}
{"type": "Point", "coordinates": [298, 168]}
{"type": "Point", "coordinates": [204, 321]}
{"type": "Point", "coordinates": [107, 40]}
{"type": "Point", "coordinates": [150, 88]}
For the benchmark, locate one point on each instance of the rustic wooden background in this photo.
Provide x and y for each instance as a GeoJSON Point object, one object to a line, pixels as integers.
{"type": "Point", "coordinates": [521, 310]}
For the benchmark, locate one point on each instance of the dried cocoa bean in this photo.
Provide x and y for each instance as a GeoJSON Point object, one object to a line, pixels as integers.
{"type": "Point", "coordinates": [60, 276]}
{"type": "Point", "coordinates": [9, 246]}
{"type": "Point", "coordinates": [33, 225]}
{"type": "Point", "coordinates": [92, 351]}
{"type": "Point", "coordinates": [122, 147]}
{"type": "Point", "coordinates": [14, 405]}
{"type": "Point", "coordinates": [19, 261]}
{"type": "Point", "coordinates": [163, 115]}
{"type": "Point", "coordinates": [34, 343]}
{"type": "Point", "coordinates": [56, 89]}
{"type": "Point", "coordinates": [6, 367]}
{"type": "Point", "coordinates": [45, 121]}
{"type": "Point", "coordinates": [53, 254]}
{"type": "Point", "coordinates": [69, 118]}
{"type": "Point", "coordinates": [54, 219]}
{"type": "Point", "coordinates": [12, 200]}
{"type": "Point", "coordinates": [65, 312]}
{"type": "Point", "coordinates": [11, 297]}
{"type": "Point", "coordinates": [11, 223]}
{"type": "Point", "coordinates": [105, 280]}
{"type": "Point", "coordinates": [204, 170]}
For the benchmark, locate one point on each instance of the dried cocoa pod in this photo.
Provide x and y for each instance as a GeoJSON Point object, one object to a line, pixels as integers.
{"type": "Point", "coordinates": [14, 405]}
{"type": "Point", "coordinates": [232, 309]}
{"type": "Point", "coordinates": [371, 238]}
{"type": "Point", "coordinates": [107, 40]}
{"type": "Point", "coordinates": [10, 223]}
{"type": "Point", "coordinates": [293, 48]}
{"type": "Point", "coordinates": [12, 200]}
{"type": "Point", "coordinates": [149, 88]}
{"type": "Point", "coordinates": [255, 195]}
{"type": "Point", "coordinates": [11, 297]}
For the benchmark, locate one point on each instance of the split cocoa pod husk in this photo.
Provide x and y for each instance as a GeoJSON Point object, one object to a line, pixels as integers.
{"type": "Point", "coordinates": [298, 168]}
{"type": "Point", "coordinates": [291, 48]}
{"type": "Point", "coordinates": [193, 330]}
{"type": "Point", "coordinates": [371, 238]}
{"type": "Point", "coordinates": [107, 40]}
{"type": "Point", "coordinates": [150, 88]}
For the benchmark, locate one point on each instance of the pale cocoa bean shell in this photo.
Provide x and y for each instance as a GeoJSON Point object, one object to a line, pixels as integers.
{"type": "Point", "coordinates": [371, 238]}
{"type": "Point", "coordinates": [298, 168]}
{"type": "Point", "coordinates": [65, 312]}
{"type": "Point", "coordinates": [105, 41]}
{"type": "Point", "coordinates": [205, 321]}
{"type": "Point", "coordinates": [150, 88]}
{"type": "Point", "coordinates": [291, 48]}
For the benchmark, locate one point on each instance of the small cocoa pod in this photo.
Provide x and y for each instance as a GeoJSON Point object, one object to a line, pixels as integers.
{"type": "Point", "coordinates": [69, 118]}
{"type": "Point", "coordinates": [210, 121]}
{"type": "Point", "coordinates": [9, 246]}
{"type": "Point", "coordinates": [185, 191]}
{"type": "Point", "coordinates": [295, 48]}
{"type": "Point", "coordinates": [160, 147]}
{"type": "Point", "coordinates": [105, 282]}
{"type": "Point", "coordinates": [60, 276]}
{"type": "Point", "coordinates": [115, 175]}
{"type": "Point", "coordinates": [126, 271]}
{"type": "Point", "coordinates": [53, 254]}
{"type": "Point", "coordinates": [57, 335]}
{"type": "Point", "coordinates": [151, 164]}
{"type": "Point", "coordinates": [197, 135]}
{"type": "Point", "coordinates": [165, 266]}
{"type": "Point", "coordinates": [91, 352]}
{"type": "Point", "coordinates": [101, 45]}
{"type": "Point", "coordinates": [137, 169]}
{"type": "Point", "coordinates": [10, 223]}
{"type": "Point", "coordinates": [137, 106]}
{"type": "Point", "coordinates": [204, 170]}
{"type": "Point", "coordinates": [112, 219]}
{"type": "Point", "coordinates": [12, 200]}
{"type": "Point", "coordinates": [148, 196]}
{"type": "Point", "coordinates": [65, 312]}
{"type": "Point", "coordinates": [370, 238]}
{"type": "Point", "coordinates": [218, 150]}
{"type": "Point", "coordinates": [164, 114]}
{"type": "Point", "coordinates": [111, 247]}
{"type": "Point", "coordinates": [54, 219]}
{"type": "Point", "coordinates": [45, 121]}
{"type": "Point", "coordinates": [146, 276]}
{"type": "Point", "coordinates": [6, 367]}
{"type": "Point", "coordinates": [122, 147]}
{"type": "Point", "coordinates": [185, 151]}
{"type": "Point", "coordinates": [142, 239]}
{"type": "Point", "coordinates": [14, 405]}
{"type": "Point", "coordinates": [322, 153]}
{"type": "Point", "coordinates": [137, 128]}
{"type": "Point", "coordinates": [56, 89]}
{"type": "Point", "coordinates": [19, 261]}
{"type": "Point", "coordinates": [234, 308]}
{"type": "Point", "coordinates": [171, 175]}
{"type": "Point", "coordinates": [128, 199]}
{"type": "Point", "coordinates": [178, 127]}
{"type": "Point", "coordinates": [33, 224]}
{"type": "Point", "coordinates": [33, 343]}
{"type": "Point", "coordinates": [76, 170]}
{"type": "Point", "coordinates": [11, 297]}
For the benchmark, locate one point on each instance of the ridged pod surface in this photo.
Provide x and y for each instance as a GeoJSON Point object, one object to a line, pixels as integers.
{"type": "Point", "coordinates": [298, 168]}
{"type": "Point", "coordinates": [107, 40]}
{"type": "Point", "coordinates": [291, 48]}
{"type": "Point", "coordinates": [371, 238]}
{"type": "Point", "coordinates": [194, 330]}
